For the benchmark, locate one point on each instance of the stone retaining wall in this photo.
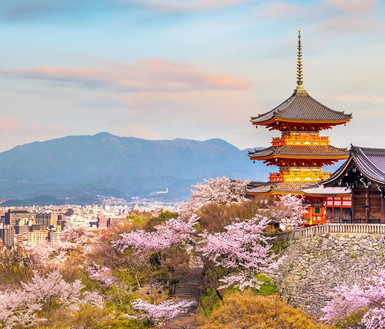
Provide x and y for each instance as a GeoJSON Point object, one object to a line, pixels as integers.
{"type": "Point", "coordinates": [315, 265]}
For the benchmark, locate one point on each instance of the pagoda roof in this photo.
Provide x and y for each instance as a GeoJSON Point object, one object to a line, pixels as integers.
{"type": "Point", "coordinates": [278, 188]}
{"type": "Point", "coordinates": [301, 107]}
{"type": "Point", "coordinates": [300, 151]}
{"type": "Point", "coordinates": [370, 162]}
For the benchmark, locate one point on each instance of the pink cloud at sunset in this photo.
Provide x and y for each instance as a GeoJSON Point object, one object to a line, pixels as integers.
{"type": "Point", "coordinates": [280, 9]}
{"type": "Point", "coordinates": [149, 76]}
{"type": "Point", "coordinates": [353, 5]}
{"type": "Point", "coordinates": [8, 125]}
{"type": "Point", "coordinates": [188, 4]}
{"type": "Point", "coordinates": [329, 18]}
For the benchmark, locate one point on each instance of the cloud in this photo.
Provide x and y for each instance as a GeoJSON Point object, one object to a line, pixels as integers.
{"type": "Point", "coordinates": [30, 9]}
{"type": "Point", "coordinates": [183, 5]}
{"type": "Point", "coordinates": [149, 76]}
{"type": "Point", "coordinates": [50, 9]}
{"type": "Point", "coordinates": [330, 17]}
{"type": "Point", "coordinates": [280, 9]}
{"type": "Point", "coordinates": [353, 5]}
{"type": "Point", "coordinates": [9, 124]}
{"type": "Point", "coordinates": [352, 16]}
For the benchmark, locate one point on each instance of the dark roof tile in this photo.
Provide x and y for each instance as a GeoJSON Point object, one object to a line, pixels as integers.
{"type": "Point", "coordinates": [306, 150]}
{"type": "Point", "coordinates": [301, 106]}
{"type": "Point", "coordinates": [369, 161]}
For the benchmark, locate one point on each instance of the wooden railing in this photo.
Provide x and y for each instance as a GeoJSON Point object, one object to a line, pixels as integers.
{"type": "Point", "coordinates": [357, 228]}
{"type": "Point", "coordinates": [306, 232]}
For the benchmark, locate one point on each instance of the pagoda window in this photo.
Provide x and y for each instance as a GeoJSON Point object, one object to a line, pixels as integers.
{"type": "Point", "coordinates": [329, 213]}
{"type": "Point", "coordinates": [337, 214]}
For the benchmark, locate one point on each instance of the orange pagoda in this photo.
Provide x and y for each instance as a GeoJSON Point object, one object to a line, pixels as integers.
{"type": "Point", "coordinates": [301, 151]}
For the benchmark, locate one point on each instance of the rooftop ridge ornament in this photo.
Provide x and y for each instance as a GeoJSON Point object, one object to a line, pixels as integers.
{"type": "Point", "coordinates": [300, 88]}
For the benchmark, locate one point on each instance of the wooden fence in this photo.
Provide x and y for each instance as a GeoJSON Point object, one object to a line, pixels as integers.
{"type": "Point", "coordinates": [301, 233]}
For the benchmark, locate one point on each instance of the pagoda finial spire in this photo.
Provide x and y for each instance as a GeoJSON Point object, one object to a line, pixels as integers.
{"type": "Point", "coordinates": [300, 88]}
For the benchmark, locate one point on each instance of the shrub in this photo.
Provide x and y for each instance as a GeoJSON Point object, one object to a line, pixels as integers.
{"type": "Point", "coordinates": [245, 310]}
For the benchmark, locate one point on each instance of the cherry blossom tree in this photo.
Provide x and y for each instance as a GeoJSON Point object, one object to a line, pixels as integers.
{"type": "Point", "coordinates": [367, 298]}
{"type": "Point", "coordinates": [79, 235]}
{"type": "Point", "coordinates": [288, 211]}
{"type": "Point", "coordinates": [243, 249]}
{"type": "Point", "coordinates": [82, 239]}
{"type": "Point", "coordinates": [220, 190]}
{"type": "Point", "coordinates": [172, 232]}
{"type": "Point", "coordinates": [161, 313]}
{"type": "Point", "coordinates": [102, 274]}
{"type": "Point", "coordinates": [23, 307]}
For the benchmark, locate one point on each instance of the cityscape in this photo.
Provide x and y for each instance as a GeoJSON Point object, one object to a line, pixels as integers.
{"type": "Point", "coordinates": [34, 225]}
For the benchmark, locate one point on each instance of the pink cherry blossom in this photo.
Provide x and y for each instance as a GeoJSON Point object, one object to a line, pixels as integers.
{"type": "Point", "coordinates": [20, 308]}
{"type": "Point", "coordinates": [173, 232]}
{"type": "Point", "coordinates": [243, 249]}
{"type": "Point", "coordinates": [289, 211]}
{"type": "Point", "coordinates": [219, 190]}
{"type": "Point", "coordinates": [368, 296]}
{"type": "Point", "coordinates": [102, 274]}
{"type": "Point", "coordinates": [159, 314]}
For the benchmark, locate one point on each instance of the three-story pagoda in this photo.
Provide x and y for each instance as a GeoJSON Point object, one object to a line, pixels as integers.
{"type": "Point", "coordinates": [301, 151]}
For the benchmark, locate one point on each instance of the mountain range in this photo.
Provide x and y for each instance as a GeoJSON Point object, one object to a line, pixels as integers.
{"type": "Point", "coordinates": [80, 169]}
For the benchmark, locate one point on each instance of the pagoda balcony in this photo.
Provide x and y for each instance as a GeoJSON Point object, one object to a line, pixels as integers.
{"type": "Point", "coordinates": [301, 176]}
{"type": "Point", "coordinates": [300, 140]}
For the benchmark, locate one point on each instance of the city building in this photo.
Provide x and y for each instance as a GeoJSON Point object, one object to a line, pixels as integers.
{"type": "Point", "coordinates": [55, 236]}
{"type": "Point", "coordinates": [301, 151]}
{"type": "Point", "coordinates": [7, 235]}
{"type": "Point", "coordinates": [13, 216]}
{"type": "Point", "coordinates": [46, 219]}
{"type": "Point", "coordinates": [36, 237]}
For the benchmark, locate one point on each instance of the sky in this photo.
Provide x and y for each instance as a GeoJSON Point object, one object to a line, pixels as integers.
{"type": "Point", "coordinates": [198, 69]}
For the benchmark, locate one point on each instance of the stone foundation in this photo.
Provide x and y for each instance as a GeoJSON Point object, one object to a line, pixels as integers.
{"type": "Point", "coordinates": [315, 265]}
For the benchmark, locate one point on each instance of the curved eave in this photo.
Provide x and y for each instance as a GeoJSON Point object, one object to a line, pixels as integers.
{"type": "Point", "coordinates": [368, 177]}
{"type": "Point", "coordinates": [283, 120]}
{"type": "Point", "coordinates": [286, 193]}
{"type": "Point", "coordinates": [259, 193]}
{"type": "Point", "coordinates": [325, 195]}
{"type": "Point", "coordinates": [338, 173]}
{"type": "Point", "coordinates": [280, 156]}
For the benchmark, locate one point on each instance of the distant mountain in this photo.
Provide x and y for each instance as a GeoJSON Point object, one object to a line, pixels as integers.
{"type": "Point", "coordinates": [84, 167]}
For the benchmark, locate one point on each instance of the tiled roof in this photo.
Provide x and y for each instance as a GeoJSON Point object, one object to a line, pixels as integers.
{"type": "Point", "coordinates": [301, 106]}
{"type": "Point", "coordinates": [369, 161]}
{"type": "Point", "coordinates": [277, 188]}
{"type": "Point", "coordinates": [291, 187]}
{"type": "Point", "coordinates": [301, 150]}
{"type": "Point", "coordinates": [261, 153]}
{"type": "Point", "coordinates": [260, 189]}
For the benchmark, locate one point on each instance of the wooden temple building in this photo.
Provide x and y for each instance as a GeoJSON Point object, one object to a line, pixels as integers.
{"type": "Point", "coordinates": [301, 151]}
{"type": "Point", "coordinates": [364, 175]}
